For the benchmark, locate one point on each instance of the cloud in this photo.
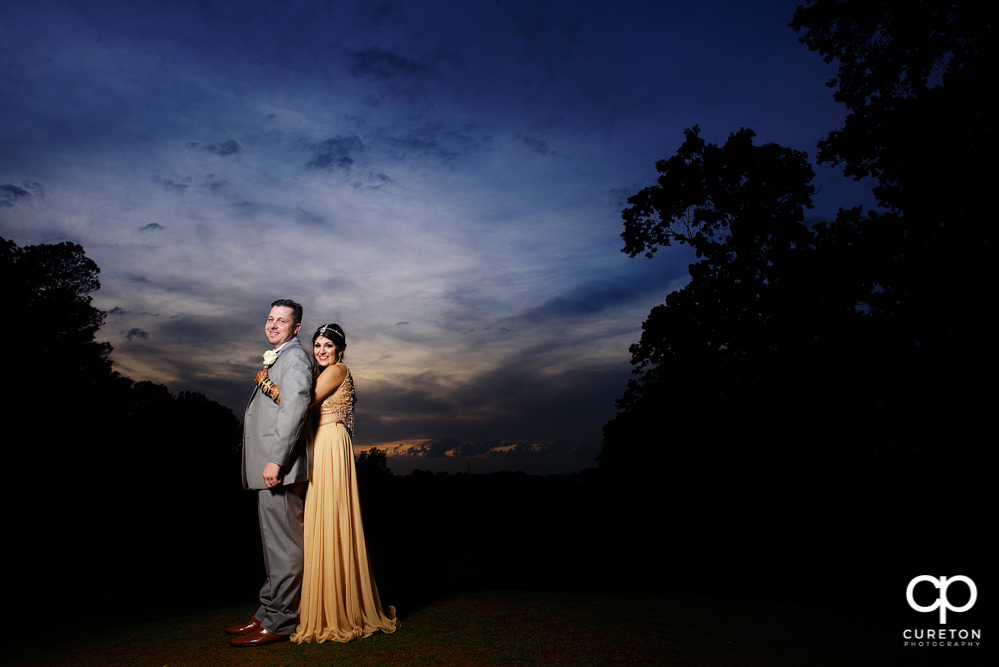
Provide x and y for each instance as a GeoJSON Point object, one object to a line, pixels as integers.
{"type": "Point", "coordinates": [436, 141]}
{"type": "Point", "coordinates": [175, 185]}
{"type": "Point", "coordinates": [395, 78]}
{"type": "Point", "coordinates": [151, 227]}
{"type": "Point", "coordinates": [216, 186]}
{"type": "Point", "coordinates": [538, 146]}
{"type": "Point", "coordinates": [132, 334]}
{"type": "Point", "coordinates": [335, 153]}
{"type": "Point", "coordinates": [11, 194]}
{"type": "Point", "coordinates": [384, 65]}
{"type": "Point", "coordinates": [309, 218]}
{"type": "Point", "coordinates": [224, 149]}
{"type": "Point", "coordinates": [437, 448]}
{"type": "Point", "coordinates": [425, 141]}
{"type": "Point", "coordinates": [390, 402]}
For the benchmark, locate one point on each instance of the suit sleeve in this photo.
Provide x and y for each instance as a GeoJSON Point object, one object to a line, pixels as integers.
{"type": "Point", "coordinates": [295, 378]}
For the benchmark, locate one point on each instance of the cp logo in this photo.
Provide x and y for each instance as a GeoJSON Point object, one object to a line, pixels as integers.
{"type": "Point", "coordinates": [942, 583]}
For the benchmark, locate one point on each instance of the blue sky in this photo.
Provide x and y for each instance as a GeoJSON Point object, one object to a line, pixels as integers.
{"type": "Point", "coordinates": [443, 179]}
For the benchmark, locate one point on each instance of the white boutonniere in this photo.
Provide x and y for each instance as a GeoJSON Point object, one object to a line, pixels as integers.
{"type": "Point", "coordinates": [270, 356]}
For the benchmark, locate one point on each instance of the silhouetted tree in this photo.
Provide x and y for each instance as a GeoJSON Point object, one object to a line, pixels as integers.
{"type": "Point", "coordinates": [839, 341]}
{"type": "Point", "coordinates": [911, 74]}
{"type": "Point", "coordinates": [59, 366]}
{"type": "Point", "coordinates": [50, 287]}
{"type": "Point", "coordinates": [373, 462]}
{"type": "Point", "coordinates": [729, 364]}
{"type": "Point", "coordinates": [915, 77]}
{"type": "Point", "coordinates": [144, 465]}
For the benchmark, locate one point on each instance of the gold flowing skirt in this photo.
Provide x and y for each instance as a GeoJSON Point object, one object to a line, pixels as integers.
{"type": "Point", "coordinates": [339, 597]}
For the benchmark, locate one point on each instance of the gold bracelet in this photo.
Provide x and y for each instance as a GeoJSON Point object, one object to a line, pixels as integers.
{"type": "Point", "coordinates": [270, 389]}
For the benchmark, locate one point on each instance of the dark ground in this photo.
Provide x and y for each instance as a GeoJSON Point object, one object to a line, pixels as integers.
{"type": "Point", "coordinates": [844, 547]}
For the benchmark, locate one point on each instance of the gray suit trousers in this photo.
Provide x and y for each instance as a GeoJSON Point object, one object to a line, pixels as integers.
{"type": "Point", "coordinates": [281, 511]}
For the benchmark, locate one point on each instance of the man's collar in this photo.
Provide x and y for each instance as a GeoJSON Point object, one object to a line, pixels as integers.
{"type": "Point", "coordinates": [281, 347]}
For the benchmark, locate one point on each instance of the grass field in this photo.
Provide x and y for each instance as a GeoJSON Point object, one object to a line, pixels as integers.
{"type": "Point", "coordinates": [512, 569]}
{"type": "Point", "coordinates": [515, 628]}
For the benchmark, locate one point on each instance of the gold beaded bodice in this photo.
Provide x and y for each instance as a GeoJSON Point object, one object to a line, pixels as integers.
{"type": "Point", "coordinates": [340, 403]}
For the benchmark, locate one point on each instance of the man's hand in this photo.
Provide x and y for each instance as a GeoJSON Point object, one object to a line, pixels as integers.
{"type": "Point", "coordinates": [271, 473]}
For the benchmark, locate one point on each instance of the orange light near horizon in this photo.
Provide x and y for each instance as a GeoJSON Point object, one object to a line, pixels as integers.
{"type": "Point", "coordinates": [395, 448]}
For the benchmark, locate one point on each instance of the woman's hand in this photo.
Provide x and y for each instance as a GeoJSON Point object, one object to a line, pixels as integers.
{"type": "Point", "coordinates": [268, 387]}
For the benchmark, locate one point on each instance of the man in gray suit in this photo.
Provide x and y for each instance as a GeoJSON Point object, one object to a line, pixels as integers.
{"type": "Point", "coordinates": [276, 464]}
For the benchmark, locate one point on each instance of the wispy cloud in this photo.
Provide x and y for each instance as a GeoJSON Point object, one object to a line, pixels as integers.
{"type": "Point", "coordinates": [385, 65]}
{"type": "Point", "coordinates": [335, 153]}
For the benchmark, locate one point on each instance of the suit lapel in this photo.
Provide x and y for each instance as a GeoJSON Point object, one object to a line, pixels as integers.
{"type": "Point", "coordinates": [293, 341]}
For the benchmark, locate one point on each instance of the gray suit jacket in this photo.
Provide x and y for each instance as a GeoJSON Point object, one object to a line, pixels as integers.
{"type": "Point", "coordinates": [274, 433]}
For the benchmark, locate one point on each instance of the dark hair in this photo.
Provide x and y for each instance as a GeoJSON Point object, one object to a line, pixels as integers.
{"type": "Point", "coordinates": [333, 332]}
{"type": "Point", "coordinates": [296, 309]}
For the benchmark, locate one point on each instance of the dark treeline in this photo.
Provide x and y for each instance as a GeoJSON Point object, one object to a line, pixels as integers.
{"type": "Point", "coordinates": [817, 397]}
{"type": "Point", "coordinates": [125, 491]}
{"type": "Point", "coordinates": [430, 534]}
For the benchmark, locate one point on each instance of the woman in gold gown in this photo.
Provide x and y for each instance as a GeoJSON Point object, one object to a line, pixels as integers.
{"type": "Point", "coordinates": [339, 598]}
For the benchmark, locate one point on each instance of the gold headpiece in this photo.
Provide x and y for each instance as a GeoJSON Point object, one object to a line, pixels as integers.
{"type": "Point", "coordinates": [323, 330]}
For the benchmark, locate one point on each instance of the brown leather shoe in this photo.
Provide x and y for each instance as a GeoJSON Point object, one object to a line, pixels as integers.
{"type": "Point", "coordinates": [259, 637]}
{"type": "Point", "coordinates": [244, 629]}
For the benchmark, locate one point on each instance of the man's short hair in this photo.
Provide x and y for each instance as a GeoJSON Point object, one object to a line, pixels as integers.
{"type": "Point", "coordinates": [296, 309]}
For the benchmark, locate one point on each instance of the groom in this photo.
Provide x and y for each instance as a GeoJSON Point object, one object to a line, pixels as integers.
{"type": "Point", "coordinates": [276, 458]}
